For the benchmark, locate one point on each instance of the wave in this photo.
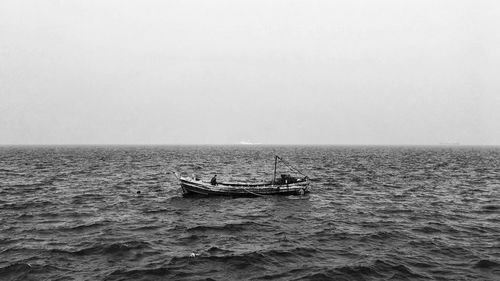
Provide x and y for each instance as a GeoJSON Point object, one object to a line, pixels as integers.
{"type": "Point", "coordinates": [490, 208]}
{"type": "Point", "coordinates": [21, 187]}
{"type": "Point", "coordinates": [82, 227]}
{"type": "Point", "coordinates": [88, 197]}
{"type": "Point", "coordinates": [191, 238]}
{"type": "Point", "coordinates": [16, 271]}
{"type": "Point", "coordinates": [147, 227]}
{"type": "Point", "coordinates": [379, 269]}
{"type": "Point", "coordinates": [218, 251]}
{"type": "Point", "coordinates": [26, 205]}
{"type": "Point", "coordinates": [25, 216]}
{"type": "Point", "coordinates": [426, 229]}
{"type": "Point", "coordinates": [210, 263]}
{"type": "Point", "coordinates": [487, 264]}
{"type": "Point", "coordinates": [6, 170]}
{"type": "Point", "coordinates": [397, 211]}
{"type": "Point", "coordinates": [229, 227]}
{"type": "Point", "coordinates": [140, 274]}
{"type": "Point", "coordinates": [256, 259]}
{"type": "Point", "coordinates": [112, 249]}
{"type": "Point", "coordinates": [382, 235]}
{"type": "Point", "coordinates": [26, 271]}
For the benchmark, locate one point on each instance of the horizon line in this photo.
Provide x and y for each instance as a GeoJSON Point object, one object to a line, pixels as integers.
{"type": "Point", "coordinates": [239, 144]}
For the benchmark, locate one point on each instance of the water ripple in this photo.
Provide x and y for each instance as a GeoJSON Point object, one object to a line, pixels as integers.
{"type": "Point", "coordinates": [375, 213]}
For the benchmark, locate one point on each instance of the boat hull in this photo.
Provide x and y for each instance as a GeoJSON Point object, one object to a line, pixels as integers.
{"type": "Point", "coordinates": [191, 187]}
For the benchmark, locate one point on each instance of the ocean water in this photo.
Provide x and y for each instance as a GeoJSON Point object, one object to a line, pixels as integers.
{"type": "Point", "coordinates": [374, 213]}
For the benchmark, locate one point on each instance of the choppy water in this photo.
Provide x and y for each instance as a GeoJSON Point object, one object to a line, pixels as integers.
{"type": "Point", "coordinates": [375, 213]}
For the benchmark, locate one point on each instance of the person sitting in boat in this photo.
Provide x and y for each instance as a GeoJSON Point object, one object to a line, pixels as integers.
{"type": "Point", "coordinates": [214, 180]}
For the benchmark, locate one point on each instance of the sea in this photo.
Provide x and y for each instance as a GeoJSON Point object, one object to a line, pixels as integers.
{"type": "Point", "coordinates": [373, 213]}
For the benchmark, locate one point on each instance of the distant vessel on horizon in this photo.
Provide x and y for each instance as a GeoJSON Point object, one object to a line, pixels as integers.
{"type": "Point", "coordinates": [249, 143]}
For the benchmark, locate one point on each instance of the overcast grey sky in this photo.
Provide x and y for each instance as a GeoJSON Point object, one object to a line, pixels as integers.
{"type": "Point", "coordinates": [273, 72]}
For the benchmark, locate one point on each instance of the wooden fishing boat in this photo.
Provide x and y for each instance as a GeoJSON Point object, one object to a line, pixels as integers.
{"type": "Point", "coordinates": [285, 185]}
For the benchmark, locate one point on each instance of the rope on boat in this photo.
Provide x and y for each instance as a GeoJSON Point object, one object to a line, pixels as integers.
{"type": "Point", "coordinates": [290, 166]}
{"type": "Point", "coordinates": [260, 195]}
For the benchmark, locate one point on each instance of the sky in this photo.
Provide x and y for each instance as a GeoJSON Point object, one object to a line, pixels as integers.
{"type": "Point", "coordinates": [358, 72]}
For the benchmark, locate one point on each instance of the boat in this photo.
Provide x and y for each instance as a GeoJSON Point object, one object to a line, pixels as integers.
{"type": "Point", "coordinates": [284, 185]}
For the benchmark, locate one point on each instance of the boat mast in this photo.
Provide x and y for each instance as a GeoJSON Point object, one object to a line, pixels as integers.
{"type": "Point", "coordinates": [275, 162]}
